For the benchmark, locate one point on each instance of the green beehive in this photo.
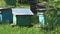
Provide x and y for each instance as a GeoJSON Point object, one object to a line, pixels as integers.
{"type": "Point", "coordinates": [22, 16]}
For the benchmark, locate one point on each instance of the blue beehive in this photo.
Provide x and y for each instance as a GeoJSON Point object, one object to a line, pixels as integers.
{"type": "Point", "coordinates": [40, 13]}
{"type": "Point", "coordinates": [6, 15]}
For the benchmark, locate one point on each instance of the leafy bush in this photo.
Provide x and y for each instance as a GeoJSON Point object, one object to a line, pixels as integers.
{"type": "Point", "coordinates": [52, 16]}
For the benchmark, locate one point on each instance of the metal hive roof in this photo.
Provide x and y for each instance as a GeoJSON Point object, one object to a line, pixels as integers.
{"type": "Point", "coordinates": [21, 11]}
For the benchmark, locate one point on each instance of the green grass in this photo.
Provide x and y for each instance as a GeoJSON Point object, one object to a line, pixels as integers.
{"type": "Point", "coordinates": [2, 3]}
{"type": "Point", "coordinates": [7, 29]}
{"type": "Point", "coordinates": [22, 6]}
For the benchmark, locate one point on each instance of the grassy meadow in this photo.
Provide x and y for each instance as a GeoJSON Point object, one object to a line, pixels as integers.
{"type": "Point", "coordinates": [7, 29]}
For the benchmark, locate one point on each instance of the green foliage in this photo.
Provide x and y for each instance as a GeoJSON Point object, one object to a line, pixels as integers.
{"type": "Point", "coordinates": [39, 1]}
{"type": "Point", "coordinates": [7, 29]}
{"type": "Point", "coordinates": [2, 3]}
{"type": "Point", "coordinates": [52, 16]}
{"type": "Point", "coordinates": [54, 3]}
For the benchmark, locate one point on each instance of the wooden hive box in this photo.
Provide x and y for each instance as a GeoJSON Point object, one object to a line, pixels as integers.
{"type": "Point", "coordinates": [22, 16]}
{"type": "Point", "coordinates": [6, 15]}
